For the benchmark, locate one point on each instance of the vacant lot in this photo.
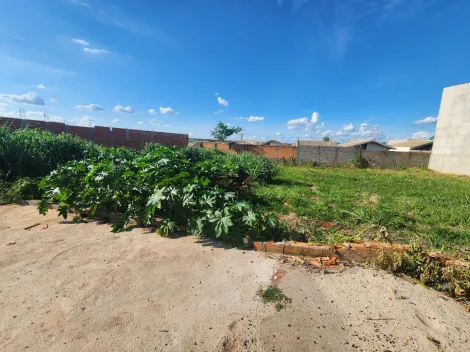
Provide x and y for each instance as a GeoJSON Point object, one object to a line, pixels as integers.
{"type": "Point", "coordinates": [409, 203]}
{"type": "Point", "coordinates": [79, 287]}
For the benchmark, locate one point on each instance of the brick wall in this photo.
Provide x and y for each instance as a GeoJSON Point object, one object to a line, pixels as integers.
{"type": "Point", "coordinates": [102, 135]}
{"type": "Point", "coordinates": [269, 151]}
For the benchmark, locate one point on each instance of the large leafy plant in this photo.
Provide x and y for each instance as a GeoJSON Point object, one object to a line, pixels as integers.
{"type": "Point", "coordinates": [173, 188]}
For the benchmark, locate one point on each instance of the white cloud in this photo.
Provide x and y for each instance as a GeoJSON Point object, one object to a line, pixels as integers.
{"type": "Point", "coordinates": [348, 127]}
{"type": "Point", "coordinates": [313, 121]}
{"type": "Point", "coordinates": [28, 98]}
{"type": "Point", "coordinates": [81, 3]}
{"type": "Point", "coordinates": [222, 101]}
{"type": "Point", "coordinates": [167, 111]}
{"type": "Point", "coordinates": [421, 135]}
{"type": "Point", "coordinates": [255, 118]}
{"type": "Point", "coordinates": [220, 111]}
{"type": "Point", "coordinates": [427, 120]}
{"type": "Point", "coordinates": [140, 122]}
{"type": "Point", "coordinates": [315, 117]}
{"type": "Point", "coordinates": [115, 121]}
{"type": "Point", "coordinates": [91, 107]}
{"type": "Point", "coordinates": [291, 124]}
{"type": "Point", "coordinates": [154, 122]}
{"type": "Point", "coordinates": [278, 134]}
{"type": "Point", "coordinates": [53, 100]}
{"type": "Point", "coordinates": [216, 94]}
{"type": "Point", "coordinates": [80, 41]}
{"type": "Point", "coordinates": [95, 51]}
{"type": "Point", "coordinates": [340, 133]}
{"type": "Point", "coordinates": [152, 112]}
{"type": "Point", "coordinates": [251, 118]}
{"type": "Point", "coordinates": [166, 125]}
{"type": "Point", "coordinates": [190, 134]}
{"type": "Point", "coordinates": [41, 86]}
{"type": "Point", "coordinates": [364, 124]}
{"type": "Point", "coordinates": [85, 121]}
{"type": "Point", "coordinates": [124, 109]}
{"type": "Point", "coordinates": [327, 133]}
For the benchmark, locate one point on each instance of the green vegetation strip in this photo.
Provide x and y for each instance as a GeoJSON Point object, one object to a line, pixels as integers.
{"type": "Point", "coordinates": [408, 205]}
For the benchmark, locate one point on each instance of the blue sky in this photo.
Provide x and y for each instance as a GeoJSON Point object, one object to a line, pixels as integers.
{"type": "Point", "coordinates": [279, 68]}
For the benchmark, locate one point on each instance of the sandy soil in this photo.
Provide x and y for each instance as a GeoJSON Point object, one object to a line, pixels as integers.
{"type": "Point", "coordinates": [79, 287]}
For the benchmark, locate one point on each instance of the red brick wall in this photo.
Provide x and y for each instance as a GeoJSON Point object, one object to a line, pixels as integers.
{"type": "Point", "coordinates": [269, 151]}
{"type": "Point", "coordinates": [103, 135]}
{"type": "Point", "coordinates": [279, 152]}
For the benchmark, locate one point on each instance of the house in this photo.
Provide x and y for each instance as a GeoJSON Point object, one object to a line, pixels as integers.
{"type": "Point", "coordinates": [367, 145]}
{"type": "Point", "coordinates": [275, 143]}
{"type": "Point", "coordinates": [413, 145]}
{"type": "Point", "coordinates": [316, 143]}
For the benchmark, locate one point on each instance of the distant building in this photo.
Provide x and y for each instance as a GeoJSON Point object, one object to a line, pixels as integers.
{"type": "Point", "coordinates": [316, 143]}
{"type": "Point", "coordinates": [367, 145]}
{"type": "Point", "coordinates": [274, 142]}
{"type": "Point", "coordinates": [418, 145]}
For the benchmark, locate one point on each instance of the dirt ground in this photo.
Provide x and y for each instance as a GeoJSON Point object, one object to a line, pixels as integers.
{"type": "Point", "coordinates": [79, 287]}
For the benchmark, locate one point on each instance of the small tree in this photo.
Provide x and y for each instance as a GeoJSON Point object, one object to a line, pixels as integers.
{"type": "Point", "coordinates": [221, 132]}
{"type": "Point", "coordinates": [326, 139]}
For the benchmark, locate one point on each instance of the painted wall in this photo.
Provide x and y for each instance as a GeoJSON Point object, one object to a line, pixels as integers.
{"type": "Point", "coordinates": [451, 149]}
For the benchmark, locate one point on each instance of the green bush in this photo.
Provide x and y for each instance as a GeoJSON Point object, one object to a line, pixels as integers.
{"type": "Point", "coordinates": [360, 162]}
{"type": "Point", "coordinates": [174, 187]}
{"type": "Point", "coordinates": [34, 153]}
{"type": "Point", "coordinates": [24, 188]}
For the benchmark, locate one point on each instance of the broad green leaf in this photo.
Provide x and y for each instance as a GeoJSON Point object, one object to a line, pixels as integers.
{"type": "Point", "coordinates": [157, 198]}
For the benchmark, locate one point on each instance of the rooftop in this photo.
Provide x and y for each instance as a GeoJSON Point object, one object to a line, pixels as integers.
{"type": "Point", "coordinates": [359, 142]}
{"type": "Point", "coordinates": [414, 143]}
{"type": "Point", "coordinates": [318, 143]}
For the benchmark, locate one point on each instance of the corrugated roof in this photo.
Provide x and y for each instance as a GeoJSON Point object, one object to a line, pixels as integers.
{"type": "Point", "coordinates": [318, 143]}
{"type": "Point", "coordinates": [361, 142]}
{"type": "Point", "coordinates": [414, 143]}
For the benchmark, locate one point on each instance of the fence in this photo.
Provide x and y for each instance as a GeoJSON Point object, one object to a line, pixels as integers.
{"type": "Point", "coordinates": [335, 156]}
{"type": "Point", "coordinates": [114, 137]}
{"type": "Point", "coordinates": [328, 156]}
{"type": "Point", "coordinates": [269, 151]}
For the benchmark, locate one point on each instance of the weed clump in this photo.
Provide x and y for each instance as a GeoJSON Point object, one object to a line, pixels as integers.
{"type": "Point", "coordinates": [452, 279]}
{"type": "Point", "coordinates": [360, 162]}
{"type": "Point", "coordinates": [274, 295]}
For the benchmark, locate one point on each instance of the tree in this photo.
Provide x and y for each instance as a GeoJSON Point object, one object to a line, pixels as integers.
{"type": "Point", "coordinates": [221, 132]}
{"type": "Point", "coordinates": [326, 139]}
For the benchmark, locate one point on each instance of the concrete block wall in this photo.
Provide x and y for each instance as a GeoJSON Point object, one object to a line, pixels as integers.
{"type": "Point", "coordinates": [451, 149]}
{"type": "Point", "coordinates": [330, 156]}
{"type": "Point", "coordinates": [336, 156]}
{"type": "Point", "coordinates": [389, 160]}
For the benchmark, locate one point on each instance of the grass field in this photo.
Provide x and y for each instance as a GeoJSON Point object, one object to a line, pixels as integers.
{"type": "Point", "coordinates": [411, 204]}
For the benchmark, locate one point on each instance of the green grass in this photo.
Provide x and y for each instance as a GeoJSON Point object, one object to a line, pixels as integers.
{"type": "Point", "coordinates": [410, 203]}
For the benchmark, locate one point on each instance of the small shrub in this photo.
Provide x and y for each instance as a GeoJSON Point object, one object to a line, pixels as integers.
{"type": "Point", "coordinates": [24, 188]}
{"type": "Point", "coordinates": [360, 162]}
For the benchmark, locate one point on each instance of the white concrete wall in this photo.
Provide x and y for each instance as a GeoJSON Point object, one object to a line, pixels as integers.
{"type": "Point", "coordinates": [451, 149]}
{"type": "Point", "coordinates": [401, 149]}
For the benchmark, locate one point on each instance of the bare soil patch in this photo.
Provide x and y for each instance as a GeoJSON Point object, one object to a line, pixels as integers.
{"type": "Point", "coordinates": [79, 287]}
